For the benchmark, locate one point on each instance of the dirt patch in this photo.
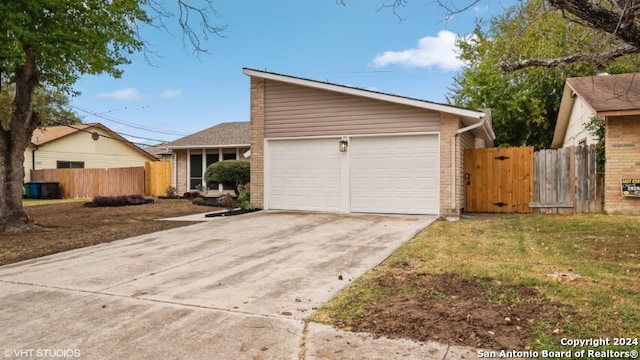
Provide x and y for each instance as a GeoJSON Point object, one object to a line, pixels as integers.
{"type": "Point", "coordinates": [72, 225]}
{"type": "Point", "coordinates": [477, 312]}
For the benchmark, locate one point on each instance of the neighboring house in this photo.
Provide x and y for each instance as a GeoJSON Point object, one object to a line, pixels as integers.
{"type": "Point", "coordinates": [325, 147]}
{"type": "Point", "coordinates": [616, 99]}
{"type": "Point", "coordinates": [80, 146]}
{"type": "Point", "coordinates": [159, 151]}
{"type": "Point", "coordinates": [192, 155]}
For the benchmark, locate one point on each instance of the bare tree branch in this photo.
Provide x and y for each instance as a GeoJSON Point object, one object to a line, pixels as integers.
{"type": "Point", "coordinates": [202, 15]}
{"type": "Point", "coordinates": [596, 58]}
{"type": "Point", "coordinates": [452, 9]}
{"type": "Point", "coordinates": [195, 21]}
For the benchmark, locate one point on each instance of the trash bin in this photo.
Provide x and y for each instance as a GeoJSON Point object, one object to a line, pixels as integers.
{"type": "Point", "coordinates": [50, 190]}
{"type": "Point", "coordinates": [36, 189]}
{"type": "Point", "coordinates": [27, 191]}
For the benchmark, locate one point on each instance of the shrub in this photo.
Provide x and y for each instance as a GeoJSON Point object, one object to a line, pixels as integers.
{"type": "Point", "coordinates": [245, 199]}
{"type": "Point", "coordinates": [228, 201]}
{"type": "Point", "coordinates": [119, 200]}
{"type": "Point", "coordinates": [230, 172]}
{"type": "Point", "coordinates": [170, 191]}
{"type": "Point", "coordinates": [197, 201]}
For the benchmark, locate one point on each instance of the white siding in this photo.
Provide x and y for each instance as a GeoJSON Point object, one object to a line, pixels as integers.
{"type": "Point", "coordinates": [581, 114]}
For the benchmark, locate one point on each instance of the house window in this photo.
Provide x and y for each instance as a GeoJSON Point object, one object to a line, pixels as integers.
{"type": "Point", "coordinates": [212, 159]}
{"type": "Point", "coordinates": [69, 164]}
{"type": "Point", "coordinates": [195, 172]}
{"type": "Point", "coordinates": [229, 156]}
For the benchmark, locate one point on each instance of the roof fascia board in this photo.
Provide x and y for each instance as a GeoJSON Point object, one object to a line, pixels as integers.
{"type": "Point", "coordinates": [564, 113]}
{"type": "Point", "coordinates": [615, 113]}
{"type": "Point", "coordinates": [185, 147]}
{"type": "Point", "coordinates": [475, 114]}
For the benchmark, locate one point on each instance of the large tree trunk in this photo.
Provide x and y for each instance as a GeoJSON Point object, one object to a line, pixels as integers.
{"type": "Point", "coordinates": [14, 138]}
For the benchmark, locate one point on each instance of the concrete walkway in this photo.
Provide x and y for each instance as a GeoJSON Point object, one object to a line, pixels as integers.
{"type": "Point", "coordinates": [228, 288]}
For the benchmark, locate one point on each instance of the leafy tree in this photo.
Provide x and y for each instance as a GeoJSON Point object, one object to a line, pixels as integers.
{"type": "Point", "coordinates": [233, 172]}
{"type": "Point", "coordinates": [524, 103]}
{"type": "Point", "coordinates": [53, 106]}
{"type": "Point", "coordinates": [618, 21]}
{"type": "Point", "coordinates": [52, 43]}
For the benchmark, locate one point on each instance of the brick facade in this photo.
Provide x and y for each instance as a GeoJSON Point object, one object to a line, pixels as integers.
{"type": "Point", "coordinates": [181, 170]}
{"type": "Point", "coordinates": [622, 149]}
{"type": "Point", "coordinates": [257, 142]}
{"type": "Point", "coordinates": [449, 124]}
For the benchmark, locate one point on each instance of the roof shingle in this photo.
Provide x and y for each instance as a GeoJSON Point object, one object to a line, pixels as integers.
{"type": "Point", "coordinates": [231, 133]}
{"type": "Point", "coordinates": [606, 93]}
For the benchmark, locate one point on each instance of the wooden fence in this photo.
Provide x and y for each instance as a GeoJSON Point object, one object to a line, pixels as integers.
{"type": "Point", "coordinates": [566, 180]}
{"type": "Point", "coordinates": [151, 180]}
{"type": "Point", "coordinates": [88, 183]}
{"type": "Point", "coordinates": [547, 181]}
{"type": "Point", "coordinates": [157, 177]}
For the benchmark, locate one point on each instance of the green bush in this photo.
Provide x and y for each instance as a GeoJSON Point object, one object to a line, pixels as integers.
{"type": "Point", "coordinates": [245, 199]}
{"type": "Point", "coordinates": [123, 200]}
{"type": "Point", "coordinates": [229, 172]}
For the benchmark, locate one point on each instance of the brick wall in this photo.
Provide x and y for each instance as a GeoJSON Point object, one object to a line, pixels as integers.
{"type": "Point", "coordinates": [623, 160]}
{"type": "Point", "coordinates": [257, 142]}
{"type": "Point", "coordinates": [449, 124]}
{"type": "Point", "coordinates": [181, 169]}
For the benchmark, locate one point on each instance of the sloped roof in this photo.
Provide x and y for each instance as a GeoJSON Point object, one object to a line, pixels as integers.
{"type": "Point", "coordinates": [469, 117]}
{"type": "Point", "coordinates": [607, 94]}
{"type": "Point", "coordinates": [224, 134]}
{"type": "Point", "coordinates": [48, 134]}
{"type": "Point", "coordinates": [158, 150]}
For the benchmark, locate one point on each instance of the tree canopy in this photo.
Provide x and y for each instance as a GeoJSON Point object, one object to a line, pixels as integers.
{"type": "Point", "coordinates": [53, 43]}
{"type": "Point", "coordinates": [616, 20]}
{"type": "Point", "coordinates": [525, 103]}
{"type": "Point", "coordinates": [53, 106]}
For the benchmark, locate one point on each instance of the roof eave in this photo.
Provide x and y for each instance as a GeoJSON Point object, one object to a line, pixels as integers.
{"type": "Point", "coordinates": [185, 147]}
{"type": "Point", "coordinates": [475, 114]}
{"type": "Point", "coordinates": [562, 122]}
{"type": "Point", "coordinates": [615, 113]}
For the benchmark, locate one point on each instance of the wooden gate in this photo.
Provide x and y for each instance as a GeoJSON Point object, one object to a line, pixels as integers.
{"type": "Point", "coordinates": [499, 180]}
{"type": "Point", "coordinates": [157, 177]}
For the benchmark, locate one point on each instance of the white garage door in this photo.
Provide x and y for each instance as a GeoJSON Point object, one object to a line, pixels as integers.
{"type": "Point", "coordinates": [387, 174]}
{"type": "Point", "coordinates": [394, 174]}
{"type": "Point", "coordinates": [304, 175]}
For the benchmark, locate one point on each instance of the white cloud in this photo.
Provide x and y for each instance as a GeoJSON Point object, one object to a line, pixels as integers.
{"type": "Point", "coordinates": [127, 94]}
{"type": "Point", "coordinates": [439, 51]}
{"type": "Point", "coordinates": [170, 93]}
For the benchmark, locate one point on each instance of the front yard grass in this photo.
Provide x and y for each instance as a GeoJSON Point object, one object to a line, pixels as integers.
{"type": "Point", "coordinates": [596, 258]}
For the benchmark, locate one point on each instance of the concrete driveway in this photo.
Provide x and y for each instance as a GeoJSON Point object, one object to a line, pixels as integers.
{"type": "Point", "coordinates": [228, 288]}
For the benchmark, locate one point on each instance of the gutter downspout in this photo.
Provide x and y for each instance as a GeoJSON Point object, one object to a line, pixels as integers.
{"type": "Point", "coordinates": [454, 139]}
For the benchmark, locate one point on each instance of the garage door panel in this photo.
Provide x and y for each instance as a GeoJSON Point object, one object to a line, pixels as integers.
{"type": "Point", "coordinates": [394, 174]}
{"type": "Point", "coordinates": [310, 170]}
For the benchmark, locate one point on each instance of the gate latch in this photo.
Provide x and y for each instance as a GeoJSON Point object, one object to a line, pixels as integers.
{"type": "Point", "coordinates": [467, 177]}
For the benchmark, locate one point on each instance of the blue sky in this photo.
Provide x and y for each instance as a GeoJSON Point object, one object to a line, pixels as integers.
{"type": "Point", "coordinates": [176, 93]}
